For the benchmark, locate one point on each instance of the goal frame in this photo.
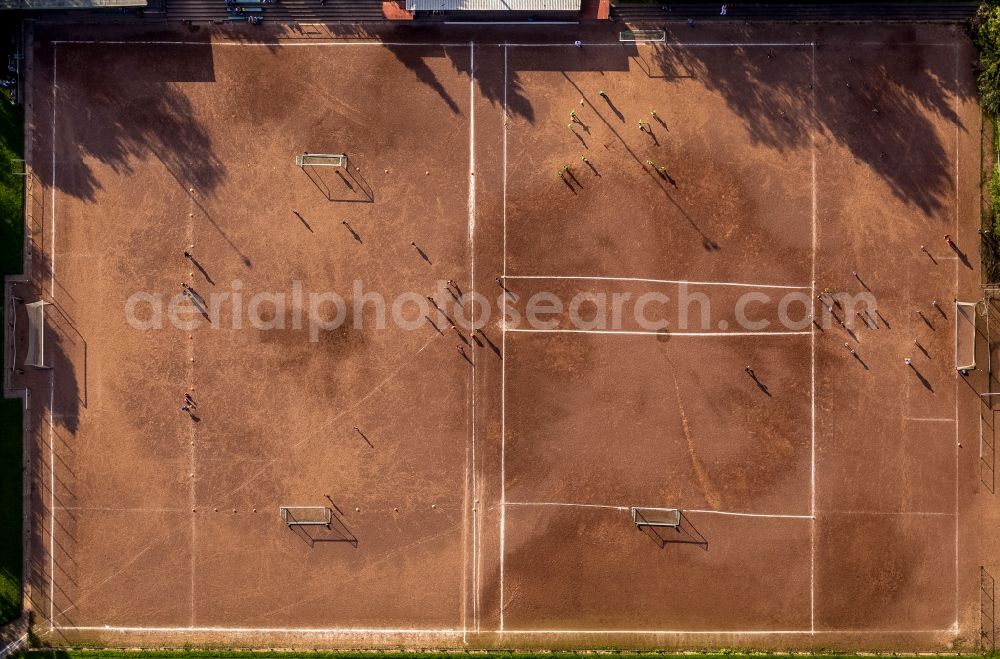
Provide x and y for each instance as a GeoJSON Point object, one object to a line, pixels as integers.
{"type": "Point", "coordinates": [969, 315]}
{"type": "Point", "coordinates": [35, 356]}
{"type": "Point", "coordinates": [288, 517]}
{"type": "Point", "coordinates": [657, 517]}
{"type": "Point", "coordinates": [321, 160]}
{"type": "Point", "coordinates": [642, 36]}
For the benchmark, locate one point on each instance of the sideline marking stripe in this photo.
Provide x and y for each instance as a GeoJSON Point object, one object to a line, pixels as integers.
{"type": "Point", "coordinates": [472, 290]}
{"type": "Point", "coordinates": [268, 44]}
{"type": "Point", "coordinates": [503, 353]}
{"type": "Point", "coordinates": [958, 138]}
{"type": "Point", "coordinates": [812, 364]}
{"type": "Point", "coordinates": [458, 632]}
{"type": "Point", "coordinates": [625, 508]}
{"type": "Point", "coordinates": [315, 44]}
{"type": "Point", "coordinates": [657, 281]}
{"type": "Point", "coordinates": [670, 334]}
{"type": "Point", "coordinates": [52, 377]}
{"type": "Point", "coordinates": [264, 630]}
{"type": "Point", "coordinates": [503, 350]}
{"type": "Point", "coordinates": [671, 44]}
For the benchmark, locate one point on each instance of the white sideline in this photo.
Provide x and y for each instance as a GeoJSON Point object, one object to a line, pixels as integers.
{"type": "Point", "coordinates": [657, 281]}
{"type": "Point", "coordinates": [958, 137]}
{"type": "Point", "coordinates": [812, 361]}
{"type": "Point", "coordinates": [642, 332]}
{"type": "Point", "coordinates": [503, 351]}
{"type": "Point", "coordinates": [625, 508]}
{"type": "Point", "coordinates": [267, 44]}
{"type": "Point", "coordinates": [458, 632]}
{"type": "Point", "coordinates": [717, 632]}
{"type": "Point", "coordinates": [670, 44]}
{"type": "Point", "coordinates": [52, 377]}
{"type": "Point", "coordinates": [315, 44]}
{"type": "Point", "coordinates": [261, 630]}
{"type": "Point", "coordinates": [472, 290]}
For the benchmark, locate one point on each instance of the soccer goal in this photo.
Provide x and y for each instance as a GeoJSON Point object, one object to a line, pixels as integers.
{"type": "Point", "coordinates": [666, 517]}
{"type": "Point", "coordinates": [965, 334]}
{"type": "Point", "coordinates": [306, 515]}
{"type": "Point", "coordinates": [634, 36]}
{"type": "Point", "coordinates": [321, 160]}
{"type": "Point", "coordinates": [36, 335]}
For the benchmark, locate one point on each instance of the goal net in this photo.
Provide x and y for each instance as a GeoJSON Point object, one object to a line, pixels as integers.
{"type": "Point", "coordinates": [36, 334]}
{"type": "Point", "coordinates": [321, 160]}
{"type": "Point", "coordinates": [965, 335]}
{"type": "Point", "coordinates": [306, 515]}
{"type": "Point", "coordinates": [634, 36]}
{"type": "Point", "coordinates": [668, 517]}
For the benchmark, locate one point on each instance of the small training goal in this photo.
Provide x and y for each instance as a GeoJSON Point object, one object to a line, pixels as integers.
{"type": "Point", "coordinates": [321, 160]}
{"type": "Point", "coordinates": [36, 334]}
{"type": "Point", "coordinates": [637, 36]}
{"type": "Point", "coordinates": [965, 334]}
{"type": "Point", "coordinates": [665, 517]}
{"type": "Point", "coordinates": [306, 515]}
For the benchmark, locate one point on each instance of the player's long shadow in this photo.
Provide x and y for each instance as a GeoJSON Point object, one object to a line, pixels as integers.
{"type": "Point", "coordinates": [351, 188]}
{"type": "Point", "coordinates": [67, 340]}
{"type": "Point", "coordinates": [684, 534]}
{"type": "Point", "coordinates": [335, 531]}
{"type": "Point", "coordinates": [920, 376]}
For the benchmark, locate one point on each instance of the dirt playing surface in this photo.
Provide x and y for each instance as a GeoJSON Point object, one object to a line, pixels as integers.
{"type": "Point", "coordinates": [480, 482]}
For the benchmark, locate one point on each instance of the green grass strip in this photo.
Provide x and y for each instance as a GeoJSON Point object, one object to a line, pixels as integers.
{"type": "Point", "coordinates": [11, 262]}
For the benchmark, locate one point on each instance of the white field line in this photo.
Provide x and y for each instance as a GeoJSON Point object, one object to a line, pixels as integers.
{"type": "Point", "coordinates": [472, 290]}
{"type": "Point", "coordinates": [458, 632]}
{"type": "Point", "coordinates": [930, 419]}
{"type": "Point", "coordinates": [261, 630]}
{"type": "Point", "coordinates": [626, 508]}
{"type": "Point", "coordinates": [718, 632]}
{"type": "Point", "coordinates": [266, 44]}
{"type": "Point", "coordinates": [642, 333]}
{"type": "Point", "coordinates": [812, 363]}
{"type": "Point", "coordinates": [52, 500]}
{"type": "Point", "coordinates": [887, 513]}
{"type": "Point", "coordinates": [52, 377]}
{"type": "Point", "coordinates": [192, 455]}
{"type": "Point", "coordinates": [52, 214]}
{"type": "Point", "coordinates": [958, 137]}
{"type": "Point", "coordinates": [669, 44]}
{"type": "Point", "coordinates": [320, 44]}
{"type": "Point", "coordinates": [503, 352]}
{"type": "Point", "coordinates": [512, 23]}
{"type": "Point", "coordinates": [103, 509]}
{"type": "Point", "coordinates": [657, 281]}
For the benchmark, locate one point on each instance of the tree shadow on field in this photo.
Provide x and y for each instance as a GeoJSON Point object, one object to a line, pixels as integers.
{"type": "Point", "coordinates": [489, 77]}
{"type": "Point", "coordinates": [891, 107]}
{"type": "Point", "coordinates": [107, 115]}
{"type": "Point", "coordinates": [414, 58]}
{"type": "Point", "coordinates": [52, 423]}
